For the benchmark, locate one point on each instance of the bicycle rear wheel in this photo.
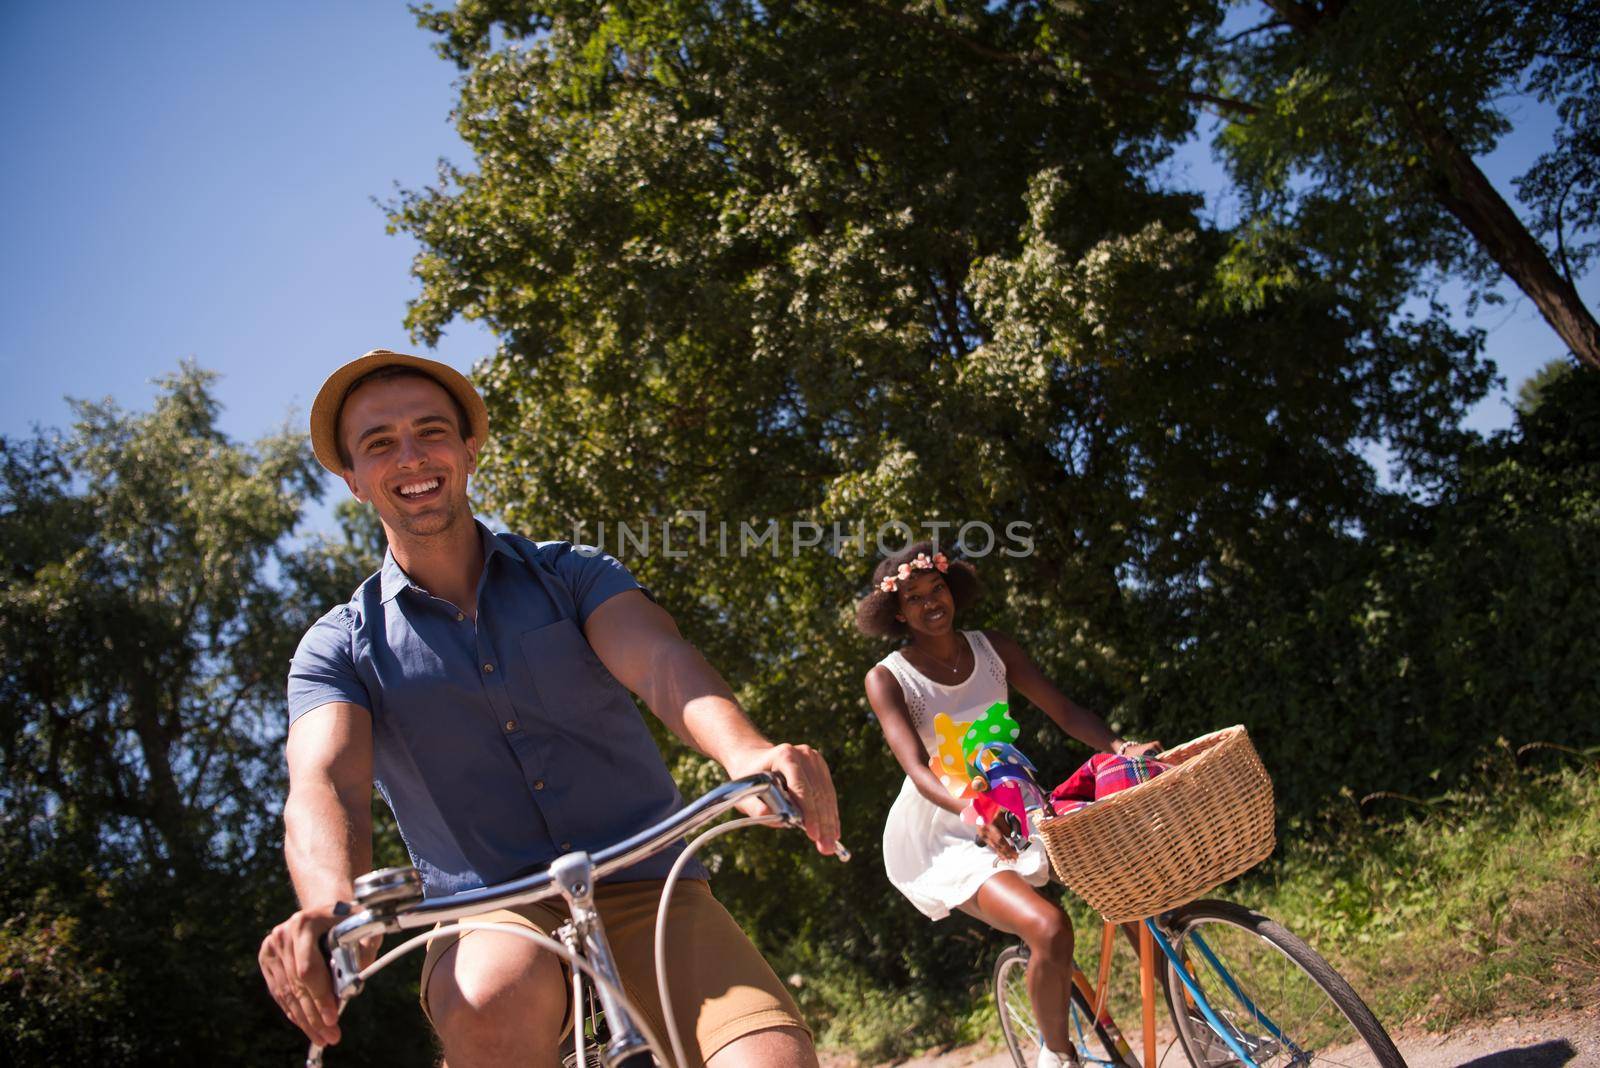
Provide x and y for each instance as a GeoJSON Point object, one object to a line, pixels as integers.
{"type": "Point", "coordinates": [1278, 997]}
{"type": "Point", "coordinates": [1021, 1028]}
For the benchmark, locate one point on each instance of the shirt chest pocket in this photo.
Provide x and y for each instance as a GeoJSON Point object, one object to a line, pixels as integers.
{"type": "Point", "coordinates": [574, 687]}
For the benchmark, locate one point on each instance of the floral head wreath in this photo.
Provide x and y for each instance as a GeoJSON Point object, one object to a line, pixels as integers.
{"type": "Point", "coordinates": [921, 562]}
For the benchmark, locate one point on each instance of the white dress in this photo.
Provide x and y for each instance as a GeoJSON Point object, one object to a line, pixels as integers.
{"type": "Point", "coordinates": [929, 854]}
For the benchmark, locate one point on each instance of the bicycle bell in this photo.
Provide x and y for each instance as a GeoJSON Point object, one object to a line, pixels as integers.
{"type": "Point", "coordinates": [388, 890]}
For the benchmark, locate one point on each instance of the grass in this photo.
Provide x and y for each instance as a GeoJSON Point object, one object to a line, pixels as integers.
{"type": "Point", "coordinates": [1483, 901]}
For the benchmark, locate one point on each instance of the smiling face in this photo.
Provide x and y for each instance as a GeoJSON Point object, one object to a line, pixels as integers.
{"type": "Point", "coordinates": [407, 455]}
{"type": "Point", "coordinates": [925, 603]}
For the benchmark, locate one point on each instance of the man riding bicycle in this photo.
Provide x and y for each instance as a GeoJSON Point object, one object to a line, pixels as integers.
{"type": "Point", "coordinates": [478, 679]}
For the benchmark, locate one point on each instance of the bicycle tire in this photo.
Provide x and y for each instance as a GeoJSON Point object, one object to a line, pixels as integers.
{"type": "Point", "coordinates": [1017, 1022]}
{"type": "Point", "coordinates": [1293, 1002]}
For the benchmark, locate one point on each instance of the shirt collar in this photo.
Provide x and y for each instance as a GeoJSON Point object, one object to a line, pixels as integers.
{"type": "Point", "coordinates": [393, 577]}
{"type": "Point", "coordinates": [493, 544]}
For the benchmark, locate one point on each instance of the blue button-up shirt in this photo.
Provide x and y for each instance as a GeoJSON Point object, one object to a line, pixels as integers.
{"type": "Point", "coordinates": [502, 743]}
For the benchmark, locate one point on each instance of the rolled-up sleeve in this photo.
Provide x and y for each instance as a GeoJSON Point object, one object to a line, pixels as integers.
{"type": "Point", "coordinates": [323, 669]}
{"type": "Point", "coordinates": [595, 577]}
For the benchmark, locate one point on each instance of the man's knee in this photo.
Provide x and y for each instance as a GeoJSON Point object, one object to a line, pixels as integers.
{"type": "Point", "coordinates": [775, 1047]}
{"type": "Point", "coordinates": [494, 992]}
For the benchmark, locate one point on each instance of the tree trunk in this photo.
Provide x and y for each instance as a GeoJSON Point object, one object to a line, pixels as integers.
{"type": "Point", "coordinates": [172, 819]}
{"type": "Point", "coordinates": [1467, 194]}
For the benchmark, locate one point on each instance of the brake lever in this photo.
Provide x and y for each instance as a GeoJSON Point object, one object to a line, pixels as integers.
{"type": "Point", "coordinates": [379, 894]}
{"type": "Point", "coordinates": [784, 806]}
{"type": "Point", "coordinates": [314, 1054]}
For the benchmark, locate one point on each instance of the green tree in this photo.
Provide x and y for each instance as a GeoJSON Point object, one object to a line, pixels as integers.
{"type": "Point", "coordinates": [149, 603]}
{"type": "Point", "coordinates": [821, 262]}
{"type": "Point", "coordinates": [1392, 660]}
{"type": "Point", "coordinates": [1350, 128]}
{"type": "Point", "coordinates": [143, 640]}
{"type": "Point", "coordinates": [1354, 127]}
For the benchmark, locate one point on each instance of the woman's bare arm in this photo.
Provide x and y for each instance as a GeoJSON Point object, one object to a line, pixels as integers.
{"type": "Point", "coordinates": [1025, 675]}
{"type": "Point", "coordinates": [889, 704]}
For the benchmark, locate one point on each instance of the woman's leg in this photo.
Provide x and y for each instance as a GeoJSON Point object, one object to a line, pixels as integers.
{"type": "Point", "coordinates": [1009, 904]}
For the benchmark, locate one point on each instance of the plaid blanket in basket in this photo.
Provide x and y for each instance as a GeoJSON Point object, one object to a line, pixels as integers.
{"type": "Point", "coordinates": [1101, 776]}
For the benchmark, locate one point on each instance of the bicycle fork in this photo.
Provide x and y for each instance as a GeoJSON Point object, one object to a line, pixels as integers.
{"type": "Point", "coordinates": [1229, 1035]}
{"type": "Point", "coordinates": [574, 874]}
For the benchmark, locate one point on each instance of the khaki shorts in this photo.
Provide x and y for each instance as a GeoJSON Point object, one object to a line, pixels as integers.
{"type": "Point", "coordinates": [721, 987]}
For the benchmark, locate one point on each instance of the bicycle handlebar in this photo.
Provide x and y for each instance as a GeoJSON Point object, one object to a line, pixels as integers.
{"type": "Point", "coordinates": [390, 917]}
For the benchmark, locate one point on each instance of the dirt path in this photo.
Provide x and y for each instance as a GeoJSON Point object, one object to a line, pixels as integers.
{"type": "Point", "coordinates": [1564, 1040]}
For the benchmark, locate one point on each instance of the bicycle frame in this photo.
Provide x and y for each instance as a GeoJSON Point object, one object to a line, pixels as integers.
{"type": "Point", "coordinates": [392, 903]}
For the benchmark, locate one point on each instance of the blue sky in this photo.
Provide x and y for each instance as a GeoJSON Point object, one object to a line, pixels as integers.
{"type": "Point", "coordinates": [197, 179]}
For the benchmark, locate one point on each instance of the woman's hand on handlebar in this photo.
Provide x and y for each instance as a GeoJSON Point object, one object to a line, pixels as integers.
{"type": "Point", "coordinates": [993, 836]}
{"type": "Point", "coordinates": [296, 971]}
{"type": "Point", "coordinates": [806, 775]}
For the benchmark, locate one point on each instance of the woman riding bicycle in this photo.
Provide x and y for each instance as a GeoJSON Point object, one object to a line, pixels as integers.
{"type": "Point", "coordinates": [930, 855]}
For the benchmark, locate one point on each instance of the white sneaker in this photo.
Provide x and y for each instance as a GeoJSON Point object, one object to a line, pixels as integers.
{"type": "Point", "coordinates": [1049, 1058]}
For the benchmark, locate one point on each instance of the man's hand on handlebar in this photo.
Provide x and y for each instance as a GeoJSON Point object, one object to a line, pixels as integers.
{"type": "Point", "coordinates": [296, 970]}
{"type": "Point", "coordinates": [809, 783]}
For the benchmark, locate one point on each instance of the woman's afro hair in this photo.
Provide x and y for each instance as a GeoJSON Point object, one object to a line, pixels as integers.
{"type": "Point", "coordinates": [875, 613]}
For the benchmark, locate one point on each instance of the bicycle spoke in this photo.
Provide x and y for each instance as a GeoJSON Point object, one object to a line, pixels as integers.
{"type": "Point", "coordinates": [1022, 1015]}
{"type": "Point", "coordinates": [1017, 1022]}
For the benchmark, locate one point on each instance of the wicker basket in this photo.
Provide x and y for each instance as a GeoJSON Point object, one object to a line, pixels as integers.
{"type": "Point", "coordinates": [1165, 842]}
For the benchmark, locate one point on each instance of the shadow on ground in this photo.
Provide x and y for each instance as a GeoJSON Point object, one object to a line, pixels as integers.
{"type": "Point", "coordinates": [1552, 1054]}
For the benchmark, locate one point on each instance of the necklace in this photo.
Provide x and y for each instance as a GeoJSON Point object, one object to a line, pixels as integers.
{"type": "Point", "coordinates": [954, 669]}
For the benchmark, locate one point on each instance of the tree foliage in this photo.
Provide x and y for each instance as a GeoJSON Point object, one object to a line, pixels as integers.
{"type": "Point", "coordinates": [143, 638]}
{"type": "Point", "coordinates": [148, 606]}
{"type": "Point", "coordinates": [1352, 129]}
{"type": "Point", "coordinates": [1563, 185]}
{"type": "Point", "coordinates": [1391, 659]}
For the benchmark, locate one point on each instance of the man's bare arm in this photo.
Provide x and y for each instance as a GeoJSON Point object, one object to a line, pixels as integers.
{"type": "Point", "coordinates": [327, 818]}
{"type": "Point", "coordinates": [327, 843]}
{"type": "Point", "coordinates": [639, 643]}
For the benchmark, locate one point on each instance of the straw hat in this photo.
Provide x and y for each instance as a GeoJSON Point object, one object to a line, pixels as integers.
{"type": "Point", "coordinates": [331, 397]}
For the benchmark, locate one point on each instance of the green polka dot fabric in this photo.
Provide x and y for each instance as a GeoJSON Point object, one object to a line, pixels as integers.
{"type": "Point", "coordinates": [996, 725]}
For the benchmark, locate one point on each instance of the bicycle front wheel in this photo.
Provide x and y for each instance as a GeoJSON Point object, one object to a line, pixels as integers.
{"type": "Point", "coordinates": [1277, 997]}
{"type": "Point", "coordinates": [1020, 1027]}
